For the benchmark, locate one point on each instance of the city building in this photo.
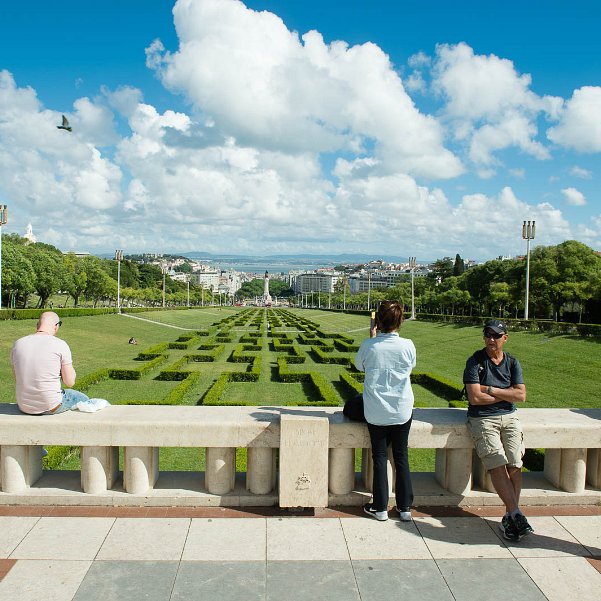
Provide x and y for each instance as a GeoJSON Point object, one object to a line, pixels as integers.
{"type": "Point", "coordinates": [314, 282]}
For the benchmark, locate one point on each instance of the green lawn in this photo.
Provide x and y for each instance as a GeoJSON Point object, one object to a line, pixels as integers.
{"type": "Point", "coordinates": [560, 371]}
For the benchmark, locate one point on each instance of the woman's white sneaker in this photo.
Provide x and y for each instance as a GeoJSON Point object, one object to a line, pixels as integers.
{"type": "Point", "coordinates": [381, 516]}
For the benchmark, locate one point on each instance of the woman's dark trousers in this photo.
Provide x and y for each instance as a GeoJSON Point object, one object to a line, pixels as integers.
{"type": "Point", "coordinates": [397, 436]}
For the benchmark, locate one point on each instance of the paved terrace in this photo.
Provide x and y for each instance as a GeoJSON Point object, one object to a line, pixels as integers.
{"type": "Point", "coordinates": [168, 554]}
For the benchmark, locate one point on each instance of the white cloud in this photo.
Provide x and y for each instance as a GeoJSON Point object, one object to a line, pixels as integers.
{"type": "Point", "coordinates": [415, 82]}
{"type": "Point", "coordinates": [580, 124]}
{"type": "Point", "coordinates": [419, 60]}
{"type": "Point", "coordinates": [51, 172]}
{"type": "Point", "coordinates": [124, 99]}
{"type": "Point", "coordinates": [574, 197]}
{"type": "Point", "coordinates": [267, 88]}
{"type": "Point", "coordinates": [489, 104]}
{"type": "Point", "coordinates": [288, 145]}
{"type": "Point", "coordinates": [580, 172]}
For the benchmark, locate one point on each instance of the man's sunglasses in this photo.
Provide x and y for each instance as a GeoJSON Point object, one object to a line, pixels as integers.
{"type": "Point", "coordinates": [489, 334]}
{"type": "Point", "coordinates": [59, 323]}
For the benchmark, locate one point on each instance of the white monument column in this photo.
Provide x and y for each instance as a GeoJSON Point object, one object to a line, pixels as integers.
{"type": "Point", "coordinates": [266, 296]}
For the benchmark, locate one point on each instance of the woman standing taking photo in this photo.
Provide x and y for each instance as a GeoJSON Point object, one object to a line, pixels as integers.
{"type": "Point", "coordinates": [387, 360]}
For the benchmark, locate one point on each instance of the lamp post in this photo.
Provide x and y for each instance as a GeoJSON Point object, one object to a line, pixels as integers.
{"type": "Point", "coordinates": [3, 220]}
{"type": "Point", "coordinates": [368, 290]}
{"type": "Point", "coordinates": [164, 270]}
{"type": "Point", "coordinates": [344, 293]}
{"type": "Point", "coordinates": [188, 284]}
{"type": "Point", "coordinates": [118, 258]}
{"type": "Point", "coordinates": [528, 232]}
{"type": "Point", "coordinates": [412, 266]}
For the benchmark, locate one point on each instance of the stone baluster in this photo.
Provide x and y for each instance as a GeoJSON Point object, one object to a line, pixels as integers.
{"type": "Point", "coordinates": [99, 468]}
{"type": "Point", "coordinates": [220, 471]}
{"type": "Point", "coordinates": [593, 468]}
{"type": "Point", "coordinates": [341, 471]}
{"type": "Point", "coordinates": [140, 469]}
{"type": "Point", "coordinates": [454, 470]}
{"type": "Point", "coordinates": [20, 466]}
{"type": "Point", "coordinates": [566, 469]}
{"type": "Point", "coordinates": [260, 470]}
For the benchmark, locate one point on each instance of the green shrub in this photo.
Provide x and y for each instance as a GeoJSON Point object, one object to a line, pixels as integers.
{"type": "Point", "coordinates": [444, 388]}
{"type": "Point", "coordinates": [152, 352]}
{"type": "Point", "coordinates": [351, 385]}
{"type": "Point", "coordinates": [136, 374]}
{"type": "Point", "coordinates": [6, 314]}
{"type": "Point", "coordinates": [324, 357]}
{"type": "Point", "coordinates": [92, 378]}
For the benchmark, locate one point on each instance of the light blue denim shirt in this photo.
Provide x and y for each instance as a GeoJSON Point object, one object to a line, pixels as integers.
{"type": "Point", "coordinates": [387, 361]}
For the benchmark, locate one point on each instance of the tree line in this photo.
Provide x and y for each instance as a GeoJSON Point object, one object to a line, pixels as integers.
{"type": "Point", "coordinates": [44, 271]}
{"type": "Point", "coordinates": [565, 284]}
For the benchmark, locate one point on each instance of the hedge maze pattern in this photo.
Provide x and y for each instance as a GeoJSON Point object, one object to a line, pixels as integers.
{"type": "Point", "coordinates": [244, 337]}
{"type": "Point", "coordinates": [257, 347]}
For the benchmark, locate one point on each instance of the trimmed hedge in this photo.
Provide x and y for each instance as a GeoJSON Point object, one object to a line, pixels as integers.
{"type": "Point", "coordinates": [322, 356]}
{"type": "Point", "coordinates": [136, 374]}
{"type": "Point", "coordinates": [351, 385]}
{"type": "Point", "coordinates": [6, 314]}
{"type": "Point", "coordinates": [444, 388]}
{"type": "Point", "coordinates": [93, 378]}
{"type": "Point", "coordinates": [152, 352]}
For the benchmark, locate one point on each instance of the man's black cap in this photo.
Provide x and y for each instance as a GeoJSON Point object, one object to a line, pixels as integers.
{"type": "Point", "coordinates": [496, 325]}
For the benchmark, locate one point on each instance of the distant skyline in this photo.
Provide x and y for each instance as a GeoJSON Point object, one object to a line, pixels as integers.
{"type": "Point", "coordinates": [271, 127]}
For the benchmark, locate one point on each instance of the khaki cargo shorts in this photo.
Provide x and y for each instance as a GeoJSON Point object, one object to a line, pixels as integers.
{"type": "Point", "coordinates": [498, 440]}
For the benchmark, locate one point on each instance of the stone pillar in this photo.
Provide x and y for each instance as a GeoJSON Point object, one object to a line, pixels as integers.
{"type": "Point", "coordinates": [220, 471]}
{"type": "Point", "coordinates": [341, 468]}
{"type": "Point", "coordinates": [140, 469]}
{"type": "Point", "coordinates": [260, 470]}
{"type": "Point", "coordinates": [20, 466]}
{"type": "Point", "coordinates": [99, 468]}
{"type": "Point", "coordinates": [593, 468]}
{"type": "Point", "coordinates": [481, 476]}
{"type": "Point", "coordinates": [304, 461]}
{"type": "Point", "coordinates": [566, 469]}
{"type": "Point", "coordinates": [454, 470]}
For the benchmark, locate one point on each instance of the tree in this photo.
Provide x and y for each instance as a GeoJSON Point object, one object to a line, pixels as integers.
{"type": "Point", "coordinates": [75, 278]}
{"type": "Point", "coordinates": [98, 283]}
{"type": "Point", "coordinates": [47, 263]}
{"type": "Point", "coordinates": [459, 266]}
{"type": "Point", "coordinates": [568, 262]}
{"type": "Point", "coordinates": [500, 295]}
{"type": "Point", "coordinates": [18, 275]}
{"type": "Point", "coordinates": [442, 269]}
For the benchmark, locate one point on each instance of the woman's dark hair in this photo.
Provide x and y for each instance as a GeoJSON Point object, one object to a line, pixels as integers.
{"type": "Point", "coordinates": [389, 316]}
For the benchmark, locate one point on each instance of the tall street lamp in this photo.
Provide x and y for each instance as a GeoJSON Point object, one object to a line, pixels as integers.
{"type": "Point", "coordinates": [164, 270]}
{"type": "Point", "coordinates": [528, 232]}
{"type": "Point", "coordinates": [344, 293]}
{"type": "Point", "coordinates": [368, 290]}
{"type": "Point", "coordinates": [188, 284]}
{"type": "Point", "coordinates": [412, 266]}
{"type": "Point", "coordinates": [118, 258]}
{"type": "Point", "coordinates": [3, 221]}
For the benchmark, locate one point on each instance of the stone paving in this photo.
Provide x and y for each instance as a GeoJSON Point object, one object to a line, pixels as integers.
{"type": "Point", "coordinates": [169, 554]}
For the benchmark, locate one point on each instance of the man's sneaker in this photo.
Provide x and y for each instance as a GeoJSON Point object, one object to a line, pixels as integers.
{"type": "Point", "coordinates": [522, 525]}
{"type": "Point", "coordinates": [509, 529]}
{"type": "Point", "coordinates": [381, 516]}
{"type": "Point", "coordinates": [404, 514]}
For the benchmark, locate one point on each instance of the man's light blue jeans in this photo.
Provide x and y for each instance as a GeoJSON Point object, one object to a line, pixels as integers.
{"type": "Point", "coordinates": [70, 399]}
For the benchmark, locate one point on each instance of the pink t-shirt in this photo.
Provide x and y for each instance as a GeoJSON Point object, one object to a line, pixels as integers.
{"type": "Point", "coordinates": [37, 360]}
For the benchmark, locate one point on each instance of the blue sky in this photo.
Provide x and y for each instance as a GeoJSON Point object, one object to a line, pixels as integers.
{"type": "Point", "coordinates": [275, 126]}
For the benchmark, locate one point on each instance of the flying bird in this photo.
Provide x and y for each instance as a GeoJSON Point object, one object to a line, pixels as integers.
{"type": "Point", "coordinates": [65, 125]}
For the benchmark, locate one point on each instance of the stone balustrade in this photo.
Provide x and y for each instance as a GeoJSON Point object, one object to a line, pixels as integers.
{"type": "Point", "coordinates": [296, 457]}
